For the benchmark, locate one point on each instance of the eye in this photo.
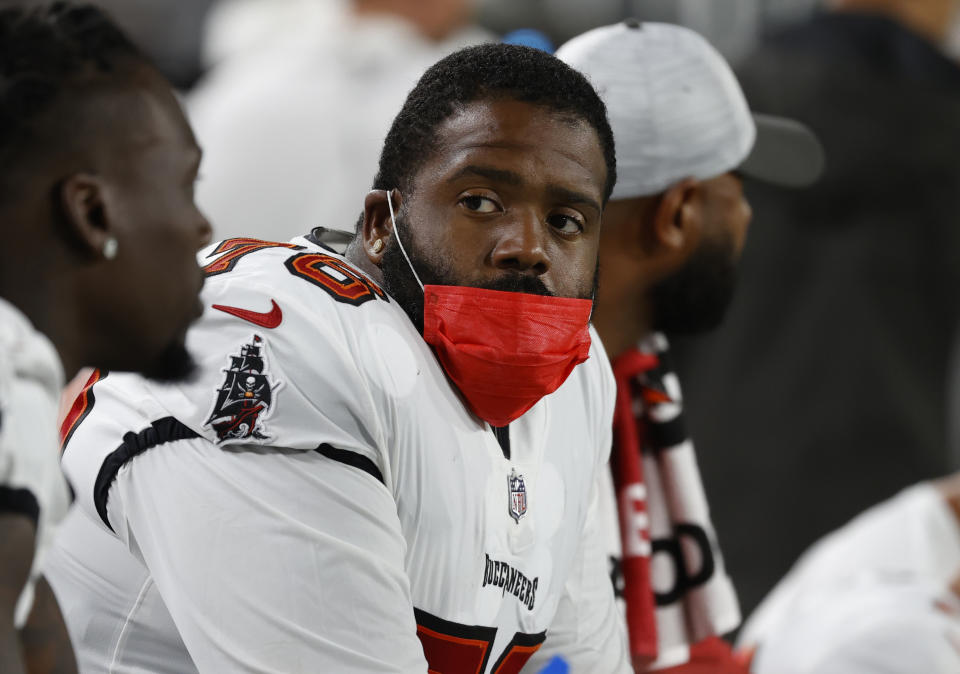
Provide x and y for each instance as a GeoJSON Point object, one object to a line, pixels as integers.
{"type": "Point", "coordinates": [565, 224]}
{"type": "Point", "coordinates": [479, 204]}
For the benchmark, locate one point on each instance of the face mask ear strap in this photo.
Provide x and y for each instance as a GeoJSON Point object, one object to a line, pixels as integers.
{"type": "Point", "coordinates": [396, 233]}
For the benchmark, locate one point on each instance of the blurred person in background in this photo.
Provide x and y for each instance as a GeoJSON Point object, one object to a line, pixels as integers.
{"type": "Point", "coordinates": [97, 267]}
{"type": "Point", "coordinates": [825, 390]}
{"type": "Point", "coordinates": [673, 232]}
{"type": "Point", "coordinates": [877, 596]}
{"type": "Point", "coordinates": [292, 118]}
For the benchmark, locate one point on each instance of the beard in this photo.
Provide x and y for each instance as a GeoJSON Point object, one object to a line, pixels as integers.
{"type": "Point", "coordinates": [402, 286]}
{"type": "Point", "coordinates": [173, 364]}
{"type": "Point", "coordinates": [696, 298]}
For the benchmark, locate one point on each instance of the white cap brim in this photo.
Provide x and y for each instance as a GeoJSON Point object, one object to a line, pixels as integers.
{"type": "Point", "coordinates": [677, 111]}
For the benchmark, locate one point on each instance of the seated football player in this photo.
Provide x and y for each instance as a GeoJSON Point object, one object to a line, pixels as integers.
{"type": "Point", "coordinates": [673, 231]}
{"type": "Point", "coordinates": [387, 462]}
{"type": "Point", "coordinates": [97, 267]}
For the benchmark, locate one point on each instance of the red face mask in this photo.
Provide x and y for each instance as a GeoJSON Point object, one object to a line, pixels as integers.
{"type": "Point", "coordinates": [503, 350]}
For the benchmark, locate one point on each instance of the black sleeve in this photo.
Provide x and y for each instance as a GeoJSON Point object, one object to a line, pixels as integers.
{"type": "Point", "coordinates": [22, 501]}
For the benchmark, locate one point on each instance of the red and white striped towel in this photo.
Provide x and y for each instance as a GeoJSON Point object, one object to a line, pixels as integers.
{"type": "Point", "coordinates": [676, 589]}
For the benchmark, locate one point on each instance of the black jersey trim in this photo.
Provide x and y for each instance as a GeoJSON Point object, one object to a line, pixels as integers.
{"type": "Point", "coordinates": [444, 631]}
{"type": "Point", "coordinates": [530, 643]}
{"type": "Point", "coordinates": [317, 234]}
{"type": "Point", "coordinates": [20, 501]}
{"type": "Point", "coordinates": [351, 459]}
{"type": "Point", "coordinates": [441, 626]}
{"type": "Point", "coordinates": [662, 436]}
{"type": "Point", "coordinates": [502, 434]}
{"type": "Point", "coordinates": [159, 432]}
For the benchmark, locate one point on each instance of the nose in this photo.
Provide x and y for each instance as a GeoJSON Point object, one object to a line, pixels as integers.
{"type": "Point", "coordinates": [521, 246]}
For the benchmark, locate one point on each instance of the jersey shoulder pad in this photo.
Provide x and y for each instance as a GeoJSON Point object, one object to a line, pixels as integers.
{"type": "Point", "coordinates": [298, 265]}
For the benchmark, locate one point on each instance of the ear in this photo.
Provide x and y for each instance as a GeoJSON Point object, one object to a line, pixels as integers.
{"type": "Point", "coordinates": [82, 202]}
{"type": "Point", "coordinates": [677, 218]}
{"type": "Point", "coordinates": [377, 226]}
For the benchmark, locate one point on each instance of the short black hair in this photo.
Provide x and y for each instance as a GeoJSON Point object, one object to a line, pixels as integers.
{"type": "Point", "coordinates": [487, 72]}
{"type": "Point", "coordinates": [49, 54]}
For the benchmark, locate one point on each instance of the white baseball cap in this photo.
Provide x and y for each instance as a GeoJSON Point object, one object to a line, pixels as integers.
{"type": "Point", "coordinates": [677, 111]}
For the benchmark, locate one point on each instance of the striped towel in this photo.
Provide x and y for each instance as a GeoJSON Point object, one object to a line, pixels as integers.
{"type": "Point", "coordinates": [675, 586]}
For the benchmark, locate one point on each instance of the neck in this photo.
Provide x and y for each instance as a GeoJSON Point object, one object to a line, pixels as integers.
{"type": "Point", "coordinates": [622, 317]}
{"type": "Point", "coordinates": [624, 313]}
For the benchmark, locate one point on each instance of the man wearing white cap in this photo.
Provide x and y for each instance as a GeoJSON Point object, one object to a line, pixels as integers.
{"type": "Point", "coordinates": [673, 231]}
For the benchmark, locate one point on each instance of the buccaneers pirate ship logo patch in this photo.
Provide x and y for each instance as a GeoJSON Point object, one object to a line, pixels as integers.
{"type": "Point", "coordinates": [518, 495]}
{"type": "Point", "coordinates": [245, 399]}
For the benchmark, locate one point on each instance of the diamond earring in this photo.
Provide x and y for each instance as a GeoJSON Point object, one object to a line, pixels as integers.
{"type": "Point", "coordinates": [110, 248]}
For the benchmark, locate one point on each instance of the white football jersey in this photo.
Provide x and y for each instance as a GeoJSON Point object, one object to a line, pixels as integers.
{"type": "Point", "coordinates": [319, 498]}
{"type": "Point", "coordinates": [865, 597]}
{"type": "Point", "coordinates": [31, 482]}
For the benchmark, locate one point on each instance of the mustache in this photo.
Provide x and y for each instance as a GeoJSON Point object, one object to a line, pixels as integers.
{"type": "Point", "coordinates": [519, 283]}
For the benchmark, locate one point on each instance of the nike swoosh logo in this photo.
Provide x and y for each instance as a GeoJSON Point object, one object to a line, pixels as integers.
{"type": "Point", "coordinates": [269, 319]}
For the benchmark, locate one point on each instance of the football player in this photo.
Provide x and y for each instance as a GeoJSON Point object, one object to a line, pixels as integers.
{"type": "Point", "coordinates": [97, 267]}
{"type": "Point", "coordinates": [387, 461]}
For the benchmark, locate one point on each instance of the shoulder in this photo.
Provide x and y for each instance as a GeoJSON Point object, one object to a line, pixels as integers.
{"type": "Point", "coordinates": [605, 395]}
{"type": "Point", "coordinates": [281, 353]}
{"type": "Point", "coordinates": [295, 321]}
{"type": "Point", "coordinates": [26, 354]}
{"type": "Point", "coordinates": [595, 378]}
{"type": "Point", "coordinates": [289, 288]}
{"type": "Point", "coordinates": [31, 377]}
{"type": "Point", "coordinates": [282, 332]}
{"type": "Point", "coordinates": [590, 394]}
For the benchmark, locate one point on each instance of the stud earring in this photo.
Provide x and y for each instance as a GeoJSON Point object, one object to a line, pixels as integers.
{"type": "Point", "coordinates": [377, 246]}
{"type": "Point", "coordinates": [110, 248]}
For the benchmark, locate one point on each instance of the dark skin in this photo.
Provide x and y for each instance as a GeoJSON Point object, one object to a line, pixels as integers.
{"type": "Point", "coordinates": [16, 556]}
{"type": "Point", "coordinates": [46, 643]}
{"type": "Point", "coordinates": [125, 170]}
{"type": "Point", "coordinates": [43, 645]}
{"type": "Point", "coordinates": [512, 188]}
{"type": "Point", "coordinates": [132, 180]}
{"type": "Point", "coordinates": [647, 239]}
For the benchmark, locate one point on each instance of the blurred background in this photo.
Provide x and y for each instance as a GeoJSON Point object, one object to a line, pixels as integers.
{"type": "Point", "coordinates": [293, 97]}
{"type": "Point", "coordinates": [173, 31]}
{"type": "Point", "coordinates": [828, 388]}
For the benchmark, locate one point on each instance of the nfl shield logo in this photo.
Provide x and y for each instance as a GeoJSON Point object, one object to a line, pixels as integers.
{"type": "Point", "coordinates": [518, 495]}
